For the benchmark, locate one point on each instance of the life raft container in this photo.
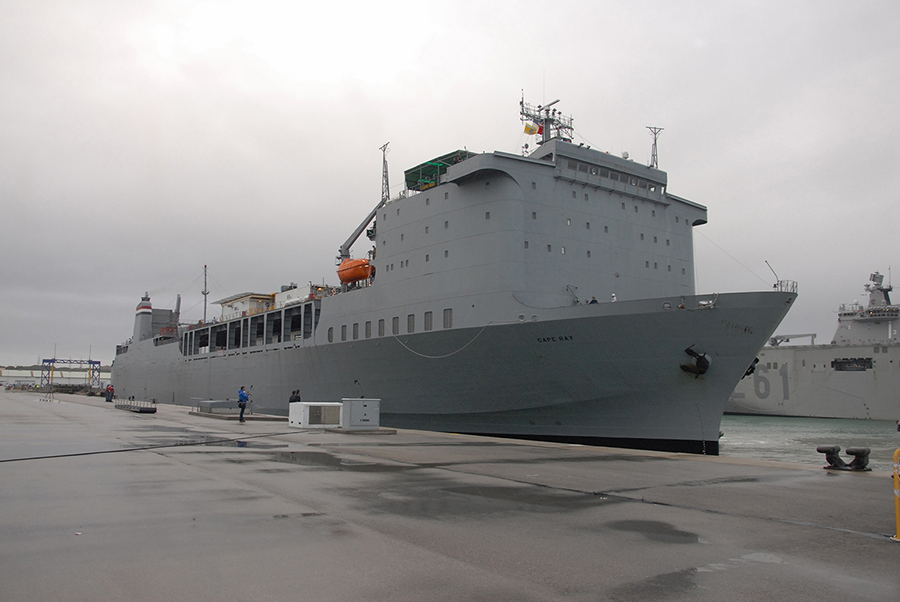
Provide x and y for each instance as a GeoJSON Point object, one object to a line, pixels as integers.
{"type": "Point", "coordinates": [354, 270]}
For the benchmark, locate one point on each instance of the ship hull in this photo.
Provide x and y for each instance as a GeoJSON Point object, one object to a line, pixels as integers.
{"type": "Point", "coordinates": [823, 381]}
{"type": "Point", "coordinates": [601, 374]}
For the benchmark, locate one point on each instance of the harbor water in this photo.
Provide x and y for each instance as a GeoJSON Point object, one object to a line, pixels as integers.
{"type": "Point", "coordinates": [787, 439]}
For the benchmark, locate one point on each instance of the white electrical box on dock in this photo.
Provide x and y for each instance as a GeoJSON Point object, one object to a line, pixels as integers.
{"type": "Point", "coordinates": [359, 414]}
{"type": "Point", "coordinates": [323, 414]}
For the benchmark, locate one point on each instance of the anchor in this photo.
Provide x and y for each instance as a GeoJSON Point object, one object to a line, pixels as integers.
{"type": "Point", "coordinates": [700, 365]}
{"type": "Point", "coordinates": [832, 454]}
{"type": "Point", "coordinates": [752, 369]}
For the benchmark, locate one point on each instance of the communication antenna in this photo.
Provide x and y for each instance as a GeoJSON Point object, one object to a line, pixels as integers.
{"type": "Point", "coordinates": [204, 292]}
{"type": "Point", "coordinates": [547, 123]}
{"type": "Point", "coordinates": [654, 162]}
{"type": "Point", "coordinates": [773, 271]}
{"type": "Point", "coordinates": [385, 186]}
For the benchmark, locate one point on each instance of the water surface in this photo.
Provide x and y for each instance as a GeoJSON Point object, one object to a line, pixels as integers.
{"type": "Point", "coordinates": [795, 439]}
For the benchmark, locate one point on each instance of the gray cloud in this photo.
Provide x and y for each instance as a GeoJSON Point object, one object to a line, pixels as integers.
{"type": "Point", "coordinates": [140, 141]}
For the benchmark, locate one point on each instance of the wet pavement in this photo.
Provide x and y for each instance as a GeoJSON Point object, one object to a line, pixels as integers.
{"type": "Point", "coordinates": [101, 504]}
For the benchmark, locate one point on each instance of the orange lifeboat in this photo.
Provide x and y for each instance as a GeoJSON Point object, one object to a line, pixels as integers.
{"type": "Point", "coordinates": [354, 270]}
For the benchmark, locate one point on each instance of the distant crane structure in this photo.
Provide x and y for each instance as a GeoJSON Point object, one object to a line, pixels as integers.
{"type": "Point", "coordinates": [47, 367]}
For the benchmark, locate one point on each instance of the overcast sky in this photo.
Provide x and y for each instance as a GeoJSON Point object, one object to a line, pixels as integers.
{"type": "Point", "coordinates": [141, 140]}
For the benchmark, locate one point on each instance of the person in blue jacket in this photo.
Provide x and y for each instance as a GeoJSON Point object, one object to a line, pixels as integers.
{"type": "Point", "coordinates": [243, 397]}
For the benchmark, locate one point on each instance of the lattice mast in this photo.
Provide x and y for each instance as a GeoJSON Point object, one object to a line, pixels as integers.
{"type": "Point", "coordinates": [344, 250]}
{"type": "Point", "coordinates": [654, 160]}
{"type": "Point", "coordinates": [385, 185]}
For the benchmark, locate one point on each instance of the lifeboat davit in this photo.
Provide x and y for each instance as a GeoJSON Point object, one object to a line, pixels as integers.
{"type": "Point", "coordinates": [354, 270]}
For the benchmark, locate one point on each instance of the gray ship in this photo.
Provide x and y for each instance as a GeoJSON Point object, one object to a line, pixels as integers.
{"type": "Point", "coordinates": [857, 375]}
{"type": "Point", "coordinates": [544, 296]}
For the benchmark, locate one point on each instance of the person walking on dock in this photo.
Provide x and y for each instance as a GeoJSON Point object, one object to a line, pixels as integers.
{"type": "Point", "coordinates": [243, 397]}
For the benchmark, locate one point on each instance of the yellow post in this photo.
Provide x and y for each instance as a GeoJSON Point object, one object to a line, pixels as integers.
{"type": "Point", "coordinates": [896, 537]}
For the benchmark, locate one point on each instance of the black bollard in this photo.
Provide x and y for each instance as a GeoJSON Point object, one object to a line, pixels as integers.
{"type": "Point", "coordinates": [832, 455]}
{"type": "Point", "coordinates": [860, 458]}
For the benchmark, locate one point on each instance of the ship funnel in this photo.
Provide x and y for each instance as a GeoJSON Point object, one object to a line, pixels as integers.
{"type": "Point", "coordinates": [143, 319]}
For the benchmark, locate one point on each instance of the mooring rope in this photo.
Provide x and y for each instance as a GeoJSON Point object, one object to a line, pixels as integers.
{"type": "Point", "coordinates": [439, 357]}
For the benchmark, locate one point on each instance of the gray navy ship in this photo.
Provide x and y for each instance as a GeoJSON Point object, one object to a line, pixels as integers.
{"type": "Point", "coordinates": [857, 375]}
{"type": "Point", "coordinates": [545, 295]}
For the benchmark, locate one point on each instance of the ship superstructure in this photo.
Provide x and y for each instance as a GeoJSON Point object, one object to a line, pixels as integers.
{"type": "Point", "coordinates": [547, 296]}
{"type": "Point", "coordinates": [857, 375]}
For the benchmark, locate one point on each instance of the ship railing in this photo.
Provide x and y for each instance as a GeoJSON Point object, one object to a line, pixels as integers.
{"type": "Point", "coordinates": [852, 308]}
{"type": "Point", "coordinates": [786, 286]}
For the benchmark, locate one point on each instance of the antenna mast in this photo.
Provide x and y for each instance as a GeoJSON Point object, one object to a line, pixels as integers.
{"type": "Point", "coordinates": [204, 292]}
{"type": "Point", "coordinates": [344, 251]}
{"type": "Point", "coordinates": [654, 162]}
{"type": "Point", "coordinates": [548, 123]}
{"type": "Point", "coordinates": [385, 186]}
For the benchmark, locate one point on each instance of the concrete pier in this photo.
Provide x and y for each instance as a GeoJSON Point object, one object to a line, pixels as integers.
{"type": "Point", "coordinates": [98, 504]}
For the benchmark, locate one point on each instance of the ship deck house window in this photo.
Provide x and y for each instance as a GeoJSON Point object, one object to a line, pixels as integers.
{"type": "Point", "coordinates": [853, 364]}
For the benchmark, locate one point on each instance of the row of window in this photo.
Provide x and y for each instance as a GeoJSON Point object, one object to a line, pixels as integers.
{"type": "Point", "coordinates": [487, 216]}
{"type": "Point", "coordinates": [353, 331]}
{"type": "Point", "coordinates": [613, 175]}
{"type": "Point", "coordinates": [534, 214]}
{"type": "Point", "coordinates": [404, 263]}
{"type": "Point", "coordinates": [427, 202]}
{"type": "Point", "coordinates": [562, 251]}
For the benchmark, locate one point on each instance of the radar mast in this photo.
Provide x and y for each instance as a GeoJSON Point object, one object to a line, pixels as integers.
{"type": "Point", "coordinates": [546, 122]}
